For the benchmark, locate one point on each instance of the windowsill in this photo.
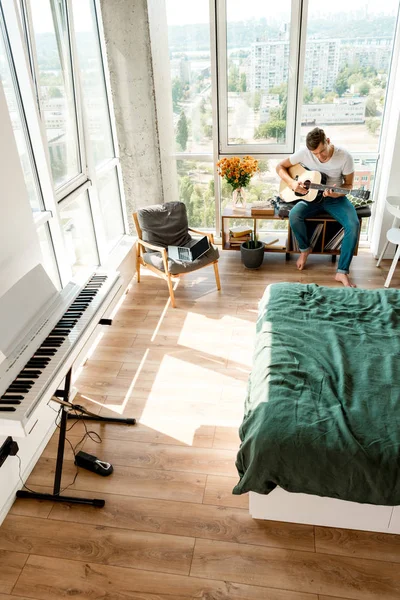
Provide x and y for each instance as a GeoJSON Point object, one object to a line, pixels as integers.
{"type": "Point", "coordinates": [41, 216]}
{"type": "Point", "coordinates": [119, 253]}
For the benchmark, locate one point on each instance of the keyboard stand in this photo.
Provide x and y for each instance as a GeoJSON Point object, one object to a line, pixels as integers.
{"type": "Point", "coordinates": [65, 414]}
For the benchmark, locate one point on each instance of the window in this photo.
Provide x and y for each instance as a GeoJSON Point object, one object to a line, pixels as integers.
{"type": "Point", "coordinates": [346, 76]}
{"type": "Point", "coordinates": [257, 82]}
{"type": "Point", "coordinates": [56, 89]}
{"type": "Point", "coordinates": [79, 237]}
{"type": "Point", "coordinates": [110, 206]}
{"type": "Point", "coordinates": [47, 249]}
{"type": "Point", "coordinates": [93, 82]}
{"type": "Point", "coordinates": [13, 98]}
{"type": "Point", "coordinates": [189, 48]}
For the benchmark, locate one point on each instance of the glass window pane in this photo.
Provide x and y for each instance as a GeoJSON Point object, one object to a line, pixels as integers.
{"type": "Point", "coordinates": [93, 83]}
{"type": "Point", "coordinates": [56, 88]}
{"type": "Point", "coordinates": [258, 48]}
{"type": "Point", "coordinates": [190, 64]}
{"type": "Point", "coordinates": [7, 77]}
{"type": "Point", "coordinates": [345, 75]}
{"type": "Point", "coordinates": [263, 185]}
{"type": "Point", "coordinates": [110, 205]}
{"type": "Point", "coordinates": [47, 249]}
{"type": "Point", "coordinates": [196, 190]}
{"type": "Point", "coordinates": [79, 239]}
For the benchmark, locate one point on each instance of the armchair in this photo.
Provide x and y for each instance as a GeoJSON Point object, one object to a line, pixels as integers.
{"type": "Point", "coordinates": [163, 225]}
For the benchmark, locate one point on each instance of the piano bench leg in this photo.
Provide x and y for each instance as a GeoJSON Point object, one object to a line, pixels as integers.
{"type": "Point", "coordinates": [98, 502]}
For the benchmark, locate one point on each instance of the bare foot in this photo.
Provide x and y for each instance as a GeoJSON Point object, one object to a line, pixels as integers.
{"type": "Point", "coordinates": [301, 261]}
{"type": "Point", "coordinates": [343, 278]}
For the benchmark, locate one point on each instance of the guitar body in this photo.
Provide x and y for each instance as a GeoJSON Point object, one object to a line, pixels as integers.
{"type": "Point", "coordinates": [306, 177]}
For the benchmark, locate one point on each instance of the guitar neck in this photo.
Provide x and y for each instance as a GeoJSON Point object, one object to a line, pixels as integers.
{"type": "Point", "coordinates": [320, 186]}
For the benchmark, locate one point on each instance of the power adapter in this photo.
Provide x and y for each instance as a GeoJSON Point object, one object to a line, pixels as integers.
{"type": "Point", "coordinates": [9, 448]}
{"type": "Point", "coordinates": [92, 463]}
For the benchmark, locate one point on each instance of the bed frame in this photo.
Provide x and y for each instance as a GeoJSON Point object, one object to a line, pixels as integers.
{"type": "Point", "coordinates": [280, 505]}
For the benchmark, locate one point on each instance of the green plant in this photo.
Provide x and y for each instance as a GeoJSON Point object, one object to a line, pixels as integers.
{"type": "Point", "coordinates": [252, 243]}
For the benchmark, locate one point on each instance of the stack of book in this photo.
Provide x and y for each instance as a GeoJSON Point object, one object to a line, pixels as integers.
{"type": "Point", "coordinates": [336, 241]}
{"type": "Point", "coordinates": [238, 235]}
{"type": "Point", "coordinates": [314, 238]}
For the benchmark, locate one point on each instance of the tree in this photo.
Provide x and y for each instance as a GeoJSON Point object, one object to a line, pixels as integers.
{"type": "Point", "coordinates": [318, 94]}
{"type": "Point", "coordinates": [370, 107]}
{"type": "Point", "coordinates": [281, 90]}
{"type": "Point", "coordinates": [342, 81]}
{"type": "Point", "coordinates": [55, 92]}
{"type": "Point", "coordinates": [307, 96]}
{"type": "Point", "coordinates": [177, 93]}
{"type": "Point", "coordinates": [185, 189]}
{"type": "Point", "coordinates": [364, 88]}
{"type": "Point", "coordinates": [182, 132]}
{"type": "Point", "coordinates": [263, 166]}
{"type": "Point", "coordinates": [233, 78]}
{"type": "Point", "coordinates": [256, 101]}
{"type": "Point", "coordinates": [373, 125]}
{"type": "Point", "coordinates": [272, 129]}
{"type": "Point", "coordinates": [243, 82]}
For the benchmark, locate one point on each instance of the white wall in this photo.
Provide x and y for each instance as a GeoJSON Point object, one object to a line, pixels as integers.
{"type": "Point", "coordinates": [19, 252]}
{"type": "Point", "coordinates": [388, 180]}
{"type": "Point", "coordinates": [19, 245]}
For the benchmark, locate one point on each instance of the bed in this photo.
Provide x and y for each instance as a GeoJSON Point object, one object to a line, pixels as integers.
{"type": "Point", "coordinates": [321, 429]}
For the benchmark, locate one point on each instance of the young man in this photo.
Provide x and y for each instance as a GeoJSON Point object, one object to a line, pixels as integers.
{"type": "Point", "coordinates": [338, 166]}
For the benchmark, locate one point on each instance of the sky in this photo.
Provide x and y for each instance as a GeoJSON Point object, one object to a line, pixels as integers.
{"type": "Point", "coordinates": [183, 12]}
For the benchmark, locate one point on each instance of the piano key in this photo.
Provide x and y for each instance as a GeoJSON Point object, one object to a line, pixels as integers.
{"type": "Point", "coordinates": [57, 351]}
{"type": "Point", "coordinates": [7, 409]}
{"type": "Point", "coordinates": [3, 402]}
{"type": "Point", "coordinates": [30, 372]}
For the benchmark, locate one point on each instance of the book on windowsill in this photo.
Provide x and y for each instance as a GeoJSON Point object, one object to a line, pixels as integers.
{"type": "Point", "coordinates": [263, 208]}
{"type": "Point", "coordinates": [268, 240]}
{"type": "Point", "coordinates": [238, 241]}
{"type": "Point", "coordinates": [239, 231]}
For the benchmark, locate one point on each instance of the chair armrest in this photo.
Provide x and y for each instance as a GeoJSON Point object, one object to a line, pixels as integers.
{"type": "Point", "coordinates": [151, 246]}
{"type": "Point", "coordinates": [163, 251]}
{"type": "Point", "coordinates": [209, 235]}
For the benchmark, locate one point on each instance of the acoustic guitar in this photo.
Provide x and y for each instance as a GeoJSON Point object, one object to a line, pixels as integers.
{"type": "Point", "coordinates": [315, 183]}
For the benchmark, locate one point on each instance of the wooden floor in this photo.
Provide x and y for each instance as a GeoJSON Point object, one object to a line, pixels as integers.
{"type": "Point", "coordinates": [171, 529]}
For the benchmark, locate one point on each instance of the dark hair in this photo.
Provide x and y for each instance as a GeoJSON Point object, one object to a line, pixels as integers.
{"type": "Point", "coordinates": [315, 137]}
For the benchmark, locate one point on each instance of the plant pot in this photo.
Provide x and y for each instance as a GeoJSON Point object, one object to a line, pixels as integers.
{"type": "Point", "coordinates": [252, 258]}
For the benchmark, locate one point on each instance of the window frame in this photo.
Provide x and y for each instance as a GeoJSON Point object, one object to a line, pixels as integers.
{"type": "Point", "coordinates": [297, 41]}
{"type": "Point", "coordinates": [19, 29]}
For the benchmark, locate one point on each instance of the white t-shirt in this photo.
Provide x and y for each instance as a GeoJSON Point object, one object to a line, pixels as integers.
{"type": "Point", "coordinates": [341, 163]}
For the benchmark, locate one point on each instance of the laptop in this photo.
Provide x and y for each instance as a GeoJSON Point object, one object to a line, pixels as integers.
{"type": "Point", "coordinates": [190, 251]}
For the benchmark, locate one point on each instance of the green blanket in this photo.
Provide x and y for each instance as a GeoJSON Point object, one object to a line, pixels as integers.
{"type": "Point", "coordinates": [322, 413]}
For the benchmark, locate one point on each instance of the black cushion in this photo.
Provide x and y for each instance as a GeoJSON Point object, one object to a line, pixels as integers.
{"type": "Point", "coordinates": [164, 224]}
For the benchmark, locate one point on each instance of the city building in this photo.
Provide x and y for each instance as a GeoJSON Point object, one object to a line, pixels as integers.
{"type": "Point", "coordinates": [336, 113]}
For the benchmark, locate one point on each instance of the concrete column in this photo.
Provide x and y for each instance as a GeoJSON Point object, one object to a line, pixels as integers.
{"type": "Point", "coordinates": [126, 30]}
{"type": "Point", "coordinates": [162, 85]}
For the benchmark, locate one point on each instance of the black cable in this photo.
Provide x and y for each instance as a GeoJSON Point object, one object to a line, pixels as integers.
{"type": "Point", "coordinates": [92, 435]}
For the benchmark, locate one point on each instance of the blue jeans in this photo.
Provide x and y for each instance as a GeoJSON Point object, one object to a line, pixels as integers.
{"type": "Point", "coordinates": [342, 211]}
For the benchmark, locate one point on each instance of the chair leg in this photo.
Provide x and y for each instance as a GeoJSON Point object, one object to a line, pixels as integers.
{"type": "Point", "coordinates": [138, 262]}
{"type": "Point", "coordinates": [392, 268]}
{"type": "Point", "coordinates": [382, 253]}
{"type": "Point", "coordinates": [171, 290]}
{"type": "Point", "coordinates": [216, 271]}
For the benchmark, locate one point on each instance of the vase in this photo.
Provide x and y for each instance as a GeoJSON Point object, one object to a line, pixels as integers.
{"type": "Point", "coordinates": [238, 198]}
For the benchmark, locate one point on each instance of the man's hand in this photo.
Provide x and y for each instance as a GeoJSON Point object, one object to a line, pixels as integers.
{"type": "Point", "coordinates": [331, 194]}
{"type": "Point", "coordinates": [298, 187]}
